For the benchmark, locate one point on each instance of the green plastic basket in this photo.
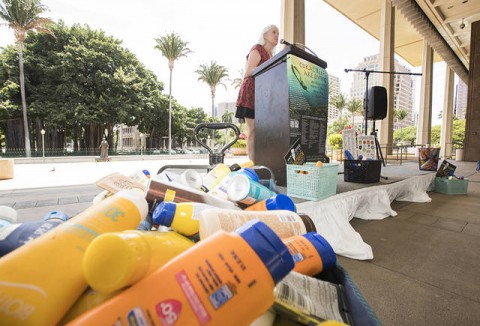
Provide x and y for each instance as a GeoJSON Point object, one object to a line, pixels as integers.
{"type": "Point", "coordinates": [311, 182]}
{"type": "Point", "coordinates": [451, 187]}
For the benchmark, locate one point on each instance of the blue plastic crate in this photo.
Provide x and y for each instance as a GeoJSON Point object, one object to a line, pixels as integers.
{"type": "Point", "coordinates": [311, 182]}
{"type": "Point", "coordinates": [447, 186]}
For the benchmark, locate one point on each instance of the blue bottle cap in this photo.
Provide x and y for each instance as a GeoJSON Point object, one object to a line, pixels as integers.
{"type": "Point", "coordinates": [280, 201]}
{"type": "Point", "coordinates": [164, 212]}
{"type": "Point", "coordinates": [329, 258]}
{"type": "Point", "coordinates": [146, 172]}
{"type": "Point", "coordinates": [56, 215]}
{"type": "Point", "coordinates": [250, 173]}
{"type": "Point", "coordinates": [269, 248]}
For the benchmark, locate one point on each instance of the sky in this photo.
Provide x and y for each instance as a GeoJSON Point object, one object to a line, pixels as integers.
{"type": "Point", "coordinates": [221, 31]}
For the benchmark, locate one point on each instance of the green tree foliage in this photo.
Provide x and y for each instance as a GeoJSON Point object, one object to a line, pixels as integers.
{"type": "Point", "coordinates": [406, 134]}
{"type": "Point", "coordinates": [213, 75]}
{"type": "Point", "coordinates": [400, 115]}
{"type": "Point", "coordinates": [339, 102]}
{"type": "Point", "coordinates": [458, 133]}
{"type": "Point", "coordinates": [337, 126]}
{"type": "Point", "coordinates": [335, 141]}
{"type": "Point", "coordinates": [354, 106]}
{"type": "Point", "coordinates": [83, 83]}
{"type": "Point", "coordinates": [23, 16]}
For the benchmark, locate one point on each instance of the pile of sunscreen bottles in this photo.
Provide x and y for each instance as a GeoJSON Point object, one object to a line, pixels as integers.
{"type": "Point", "coordinates": [189, 248]}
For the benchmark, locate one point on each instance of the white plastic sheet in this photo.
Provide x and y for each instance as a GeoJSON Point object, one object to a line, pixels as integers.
{"type": "Point", "coordinates": [332, 215]}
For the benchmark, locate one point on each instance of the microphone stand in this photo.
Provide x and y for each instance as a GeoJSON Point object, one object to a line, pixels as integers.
{"type": "Point", "coordinates": [365, 103]}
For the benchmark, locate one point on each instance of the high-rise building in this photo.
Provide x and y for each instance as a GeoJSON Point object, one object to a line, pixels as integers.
{"type": "Point", "coordinates": [334, 89]}
{"type": "Point", "coordinates": [403, 96]}
{"type": "Point", "coordinates": [461, 100]}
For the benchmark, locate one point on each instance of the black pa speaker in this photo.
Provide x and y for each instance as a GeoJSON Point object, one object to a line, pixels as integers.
{"type": "Point", "coordinates": [377, 103]}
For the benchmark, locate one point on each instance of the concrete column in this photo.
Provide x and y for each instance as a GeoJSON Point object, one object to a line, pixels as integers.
{"type": "Point", "coordinates": [424, 123]}
{"type": "Point", "coordinates": [292, 21]}
{"type": "Point", "coordinates": [447, 116]}
{"type": "Point", "coordinates": [472, 127]}
{"type": "Point", "coordinates": [386, 63]}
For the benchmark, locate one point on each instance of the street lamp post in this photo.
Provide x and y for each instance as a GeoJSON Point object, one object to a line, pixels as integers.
{"type": "Point", "coordinates": [43, 143]}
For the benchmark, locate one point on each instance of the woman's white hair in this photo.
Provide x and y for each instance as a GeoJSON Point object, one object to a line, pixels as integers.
{"type": "Point", "coordinates": [261, 39]}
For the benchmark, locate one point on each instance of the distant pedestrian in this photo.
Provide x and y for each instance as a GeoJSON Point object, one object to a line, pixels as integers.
{"type": "Point", "coordinates": [104, 149]}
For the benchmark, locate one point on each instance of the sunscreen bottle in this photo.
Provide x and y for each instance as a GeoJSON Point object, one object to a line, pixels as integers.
{"type": "Point", "coordinates": [88, 300]}
{"type": "Point", "coordinates": [244, 190]}
{"type": "Point", "coordinates": [221, 190]}
{"type": "Point", "coordinates": [227, 279]}
{"type": "Point", "coordinates": [181, 217]}
{"type": "Point", "coordinates": [247, 164]}
{"type": "Point", "coordinates": [212, 178]}
{"type": "Point", "coordinates": [118, 259]}
{"type": "Point", "coordinates": [311, 253]}
{"type": "Point", "coordinates": [43, 278]}
{"type": "Point", "coordinates": [7, 215]}
{"type": "Point", "coordinates": [159, 191]}
{"type": "Point", "coordinates": [282, 222]}
{"type": "Point", "coordinates": [277, 202]}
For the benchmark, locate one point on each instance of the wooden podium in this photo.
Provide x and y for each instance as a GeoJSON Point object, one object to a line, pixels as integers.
{"type": "Point", "coordinates": [291, 102]}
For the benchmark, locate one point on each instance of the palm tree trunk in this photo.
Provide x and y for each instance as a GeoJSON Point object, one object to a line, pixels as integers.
{"type": "Point", "coordinates": [170, 114]}
{"type": "Point", "coordinates": [213, 105]}
{"type": "Point", "coordinates": [28, 150]}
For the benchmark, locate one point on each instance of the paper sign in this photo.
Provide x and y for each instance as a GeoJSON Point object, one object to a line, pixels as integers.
{"type": "Point", "coordinates": [116, 181]}
{"type": "Point", "coordinates": [295, 154]}
{"type": "Point", "coordinates": [348, 141]}
{"type": "Point", "coordinates": [366, 146]}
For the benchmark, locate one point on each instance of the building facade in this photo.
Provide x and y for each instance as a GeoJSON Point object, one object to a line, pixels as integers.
{"type": "Point", "coordinates": [460, 107]}
{"type": "Point", "coordinates": [334, 89]}
{"type": "Point", "coordinates": [404, 86]}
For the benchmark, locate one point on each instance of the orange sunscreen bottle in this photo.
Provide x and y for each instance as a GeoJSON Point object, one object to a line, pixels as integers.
{"type": "Point", "coordinates": [41, 280]}
{"type": "Point", "coordinates": [227, 279]}
{"type": "Point", "coordinates": [311, 252]}
{"type": "Point", "coordinates": [115, 260]}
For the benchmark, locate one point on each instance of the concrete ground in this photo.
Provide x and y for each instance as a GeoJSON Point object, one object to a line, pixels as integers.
{"type": "Point", "coordinates": [426, 266]}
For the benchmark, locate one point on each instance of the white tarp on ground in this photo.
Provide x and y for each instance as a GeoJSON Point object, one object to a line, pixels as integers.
{"type": "Point", "coordinates": [332, 215]}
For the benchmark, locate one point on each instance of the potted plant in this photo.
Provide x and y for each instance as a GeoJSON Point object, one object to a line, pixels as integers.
{"type": "Point", "coordinates": [240, 146]}
{"type": "Point", "coordinates": [335, 142]}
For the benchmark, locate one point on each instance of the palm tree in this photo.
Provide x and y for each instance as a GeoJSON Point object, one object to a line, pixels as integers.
{"type": "Point", "coordinates": [237, 82]}
{"type": "Point", "coordinates": [227, 117]}
{"type": "Point", "coordinates": [400, 115]}
{"type": "Point", "coordinates": [172, 48]}
{"type": "Point", "coordinates": [213, 75]}
{"type": "Point", "coordinates": [355, 105]}
{"type": "Point", "coordinates": [339, 101]}
{"type": "Point", "coordinates": [23, 16]}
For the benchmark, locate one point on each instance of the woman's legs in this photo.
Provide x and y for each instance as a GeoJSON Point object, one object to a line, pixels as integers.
{"type": "Point", "coordinates": [250, 123]}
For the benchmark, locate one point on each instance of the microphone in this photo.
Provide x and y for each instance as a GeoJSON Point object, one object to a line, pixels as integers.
{"type": "Point", "coordinates": [282, 41]}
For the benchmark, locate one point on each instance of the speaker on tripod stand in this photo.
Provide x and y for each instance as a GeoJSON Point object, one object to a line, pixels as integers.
{"type": "Point", "coordinates": [376, 109]}
{"type": "Point", "coordinates": [377, 103]}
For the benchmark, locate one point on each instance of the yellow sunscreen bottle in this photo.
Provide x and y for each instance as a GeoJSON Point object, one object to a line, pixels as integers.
{"type": "Point", "coordinates": [227, 279]}
{"type": "Point", "coordinates": [88, 300]}
{"type": "Point", "coordinates": [181, 217]}
{"type": "Point", "coordinates": [42, 279]}
{"type": "Point", "coordinates": [311, 253]}
{"type": "Point", "coordinates": [118, 259]}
